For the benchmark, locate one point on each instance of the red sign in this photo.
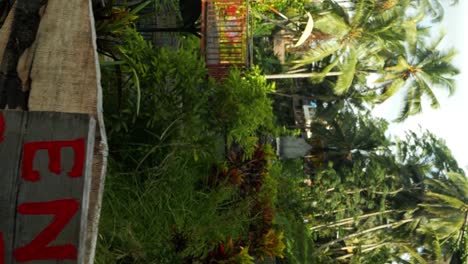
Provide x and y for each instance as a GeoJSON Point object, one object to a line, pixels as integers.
{"type": "Point", "coordinates": [38, 249]}
{"type": "Point", "coordinates": [41, 161]}
{"type": "Point", "coordinates": [53, 148]}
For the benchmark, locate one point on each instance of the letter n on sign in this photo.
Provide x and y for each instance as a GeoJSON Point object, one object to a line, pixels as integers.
{"type": "Point", "coordinates": [45, 174]}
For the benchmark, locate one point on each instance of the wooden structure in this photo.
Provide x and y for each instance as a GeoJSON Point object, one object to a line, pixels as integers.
{"type": "Point", "coordinates": [49, 63]}
{"type": "Point", "coordinates": [226, 35]}
{"type": "Point", "coordinates": [46, 162]}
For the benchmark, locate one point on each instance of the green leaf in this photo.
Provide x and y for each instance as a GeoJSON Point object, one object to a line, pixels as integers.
{"type": "Point", "coordinates": [460, 182]}
{"type": "Point", "coordinates": [321, 75]}
{"type": "Point", "coordinates": [140, 7]}
{"type": "Point", "coordinates": [391, 89]}
{"type": "Point", "coordinates": [388, 77]}
{"type": "Point", "coordinates": [364, 9]}
{"type": "Point", "coordinates": [411, 32]}
{"type": "Point", "coordinates": [333, 25]}
{"type": "Point", "coordinates": [447, 200]}
{"type": "Point", "coordinates": [401, 66]}
{"type": "Point", "coordinates": [349, 69]}
{"type": "Point", "coordinates": [414, 254]}
{"type": "Point", "coordinates": [136, 81]}
{"type": "Point", "coordinates": [319, 53]}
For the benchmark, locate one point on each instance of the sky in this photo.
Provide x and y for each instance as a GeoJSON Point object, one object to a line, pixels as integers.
{"type": "Point", "coordinates": [450, 121]}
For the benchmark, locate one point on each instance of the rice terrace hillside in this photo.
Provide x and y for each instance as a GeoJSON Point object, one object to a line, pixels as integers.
{"type": "Point", "coordinates": [241, 132]}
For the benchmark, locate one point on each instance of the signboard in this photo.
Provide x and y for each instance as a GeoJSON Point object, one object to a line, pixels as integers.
{"type": "Point", "coordinates": [45, 174]}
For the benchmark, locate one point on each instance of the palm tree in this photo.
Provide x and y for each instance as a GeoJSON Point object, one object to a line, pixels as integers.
{"type": "Point", "coordinates": [356, 36]}
{"type": "Point", "coordinates": [446, 208]}
{"type": "Point", "coordinates": [419, 72]}
{"type": "Point", "coordinates": [348, 135]}
{"type": "Point", "coordinates": [398, 180]}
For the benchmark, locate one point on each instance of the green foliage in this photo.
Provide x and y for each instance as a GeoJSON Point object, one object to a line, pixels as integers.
{"type": "Point", "coordinates": [166, 218]}
{"type": "Point", "coordinates": [366, 203]}
{"type": "Point", "coordinates": [419, 72]}
{"type": "Point", "coordinates": [242, 108]}
{"type": "Point", "coordinates": [425, 150]}
{"type": "Point", "coordinates": [166, 120]}
{"type": "Point", "coordinates": [362, 38]}
{"type": "Point", "coordinates": [345, 80]}
{"type": "Point", "coordinates": [446, 208]}
{"type": "Point", "coordinates": [363, 11]}
{"type": "Point", "coordinates": [188, 182]}
{"type": "Point", "coordinates": [243, 257]}
{"type": "Point", "coordinates": [299, 244]}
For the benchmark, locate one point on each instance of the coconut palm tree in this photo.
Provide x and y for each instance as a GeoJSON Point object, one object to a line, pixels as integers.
{"type": "Point", "coordinates": [419, 72]}
{"type": "Point", "coordinates": [349, 135]}
{"type": "Point", "coordinates": [446, 208]}
{"type": "Point", "coordinates": [356, 37]}
{"type": "Point", "coordinates": [400, 182]}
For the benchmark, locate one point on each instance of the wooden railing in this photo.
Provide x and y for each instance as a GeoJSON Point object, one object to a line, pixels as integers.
{"type": "Point", "coordinates": [225, 35]}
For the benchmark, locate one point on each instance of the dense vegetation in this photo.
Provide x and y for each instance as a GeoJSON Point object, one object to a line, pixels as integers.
{"type": "Point", "coordinates": [193, 177]}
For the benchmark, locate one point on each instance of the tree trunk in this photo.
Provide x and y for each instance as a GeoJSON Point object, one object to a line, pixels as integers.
{"type": "Point", "coordinates": [299, 75]}
{"type": "Point", "coordinates": [391, 225]}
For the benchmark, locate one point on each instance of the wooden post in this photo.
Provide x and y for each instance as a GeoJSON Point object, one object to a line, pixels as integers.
{"type": "Point", "coordinates": [60, 73]}
{"type": "Point", "coordinates": [46, 161]}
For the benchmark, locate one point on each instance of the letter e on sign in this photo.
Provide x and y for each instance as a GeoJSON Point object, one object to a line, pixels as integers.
{"type": "Point", "coordinates": [53, 148]}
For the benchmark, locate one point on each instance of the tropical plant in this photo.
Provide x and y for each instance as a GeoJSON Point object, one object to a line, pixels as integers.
{"type": "Point", "coordinates": [446, 208]}
{"type": "Point", "coordinates": [356, 36]}
{"type": "Point", "coordinates": [243, 108]}
{"type": "Point", "coordinates": [368, 210]}
{"type": "Point", "coordinates": [419, 72]}
{"type": "Point", "coordinates": [349, 135]}
{"type": "Point", "coordinates": [424, 150]}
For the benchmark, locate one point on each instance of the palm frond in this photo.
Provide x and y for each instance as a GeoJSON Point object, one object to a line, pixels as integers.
{"type": "Point", "coordinates": [401, 66]}
{"type": "Point", "coordinates": [446, 227]}
{"type": "Point", "coordinates": [391, 89]}
{"type": "Point", "coordinates": [436, 42]}
{"type": "Point", "coordinates": [447, 200]}
{"type": "Point", "coordinates": [319, 53]}
{"type": "Point", "coordinates": [439, 210]}
{"type": "Point", "coordinates": [426, 89]}
{"type": "Point", "coordinates": [408, 107]}
{"type": "Point", "coordinates": [332, 24]}
{"type": "Point", "coordinates": [414, 254]}
{"type": "Point", "coordinates": [348, 68]}
{"type": "Point", "coordinates": [459, 182]}
{"type": "Point", "coordinates": [438, 81]}
{"type": "Point", "coordinates": [411, 33]}
{"type": "Point", "coordinates": [321, 75]}
{"type": "Point", "coordinates": [363, 11]}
